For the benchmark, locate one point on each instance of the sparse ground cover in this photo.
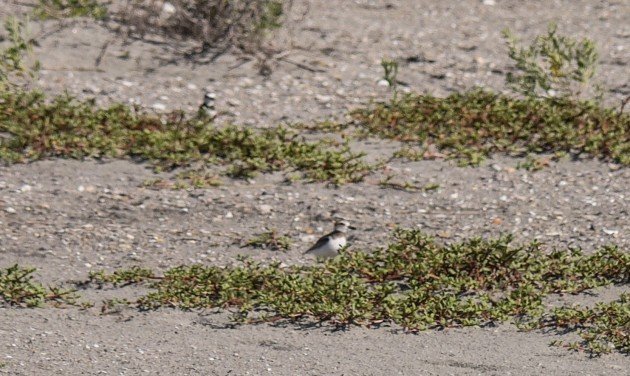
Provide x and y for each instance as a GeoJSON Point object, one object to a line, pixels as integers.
{"type": "Point", "coordinates": [35, 129]}
{"type": "Point", "coordinates": [471, 126]}
{"type": "Point", "coordinates": [468, 127]}
{"type": "Point", "coordinates": [414, 283]}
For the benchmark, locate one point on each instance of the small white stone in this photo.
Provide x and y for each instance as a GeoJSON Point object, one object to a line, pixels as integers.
{"type": "Point", "coordinates": [229, 215]}
{"type": "Point", "coordinates": [323, 98]}
{"type": "Point", "coordinates": [168, 8]}
{"type": "Point", "coordinates": [610, 231]}
{"type": "Point", "coordinates": [158, 106]}
{"type": "Point", "coordinates": [489, 2]}
{"type": "Point", "coordinates": [26, 188]}
{"type": "Point", "coordinates": [246, 81]}
{"type": "Point", "coordinates": [265, 209]}
{"type": "Point", "coordinates": [308, 238]}
{"type": "Point", "coordinates": [10, 210]}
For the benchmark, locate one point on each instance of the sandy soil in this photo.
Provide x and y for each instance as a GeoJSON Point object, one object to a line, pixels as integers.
{"type": "Point", "coordinates": [69, 217]}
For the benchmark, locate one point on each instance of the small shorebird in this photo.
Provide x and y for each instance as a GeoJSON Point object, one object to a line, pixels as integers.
{"type": "Point", "coordinates": [328, 246]}
{"type": "Point", "coordinates": [208, 104]}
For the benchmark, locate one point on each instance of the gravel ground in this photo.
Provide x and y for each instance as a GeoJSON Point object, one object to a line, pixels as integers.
{"type": "Point", "coordinates": [69, 217]}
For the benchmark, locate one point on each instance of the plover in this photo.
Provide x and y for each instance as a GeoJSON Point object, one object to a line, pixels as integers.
{"type": "Point", "coordinates": [208, 104]}
{"type": "Point", "coordinates": [328, 246]}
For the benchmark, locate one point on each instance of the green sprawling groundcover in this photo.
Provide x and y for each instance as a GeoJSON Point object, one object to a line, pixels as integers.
{"type": "Point", "coordinates": [17, 287]}
{"type": "Point", "coordinates": [469, 126]}
{"type": "Point", "coordinates": [603, 328]}
{"type": "Point", "coordinates": [414, 283]}
{"type": "Point", "coordinates": [33, 129]}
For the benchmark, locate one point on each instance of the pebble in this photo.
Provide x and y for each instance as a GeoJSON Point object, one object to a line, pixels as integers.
{"type": "Point", "coordinates": [10, 210]}
{"type": "Point", "coordinates": [323, 98]}
{"type": "Point", "coordinates": [168, 8]}
{"type": "Point", "coordinates": [308, 238]}
{"type": "Point", "coordinates": [246, 81]}
{"type": "Point", "coordinates": [233, 102]}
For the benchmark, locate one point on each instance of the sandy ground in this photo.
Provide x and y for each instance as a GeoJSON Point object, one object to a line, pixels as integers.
{"type": "Point", "coordinates": [68, 217]}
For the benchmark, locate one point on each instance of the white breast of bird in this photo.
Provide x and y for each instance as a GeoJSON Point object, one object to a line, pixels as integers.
{"type": "Point", "coordinates": [330, 248]}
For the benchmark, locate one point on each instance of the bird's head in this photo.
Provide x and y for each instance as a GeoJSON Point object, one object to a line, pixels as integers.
{"type": "Point", "coordinates": [343, 226]}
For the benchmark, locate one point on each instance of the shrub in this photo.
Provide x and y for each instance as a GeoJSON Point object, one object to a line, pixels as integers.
{"type": "Point", "coordinates": [213, 23]}
{"type": "Point", "coordinates": [14, 71]}
{"type": "Point", "coordinates": [553, 65]}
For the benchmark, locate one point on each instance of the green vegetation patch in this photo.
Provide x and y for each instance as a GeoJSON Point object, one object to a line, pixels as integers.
{"type": "Point", "coordinates": [414, 282]}
{"type": "Point", "coordinates": [70, 8]}
{"type": "Point", "coordinates": [17, 288]}
{"type": "Point", "coordinates": [270, 239]}
{"type": "Point", "coordinates": [603, 328]}
{"type": "Point", "coordinates": [14, 70]}
{"type": "Point", "coordinates": [33, 128]}
{"type": "Point", "coordinates": [469, 126]}
{"type": "Point", "coordinates": [552, 65]}
{"type": "Point", "coordinates": [121, 277]}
